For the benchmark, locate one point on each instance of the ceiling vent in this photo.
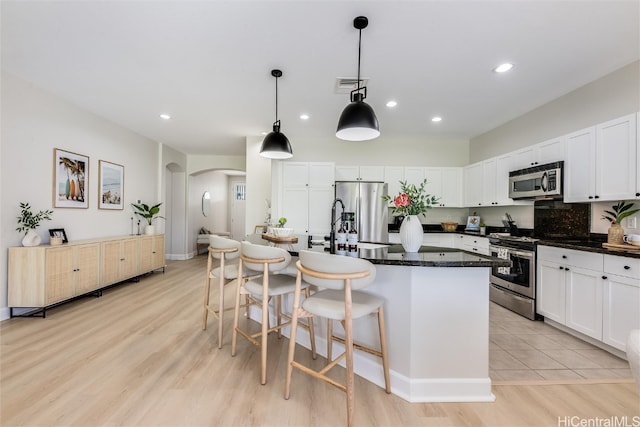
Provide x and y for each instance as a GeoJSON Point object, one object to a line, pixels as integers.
{"type": "Point", "coordinates": [347, 84]}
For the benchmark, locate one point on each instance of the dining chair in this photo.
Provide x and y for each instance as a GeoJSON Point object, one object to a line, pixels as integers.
{"type": "Point", "coordinates": [267, 261]}
{"type": "Point", "coordinates": [228, 252]}
{"type": "Point", "coordinates": [340, 279]}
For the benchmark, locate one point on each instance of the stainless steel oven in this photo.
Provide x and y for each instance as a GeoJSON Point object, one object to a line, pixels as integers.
{"type": "Point", "coordinates": [515, 287]}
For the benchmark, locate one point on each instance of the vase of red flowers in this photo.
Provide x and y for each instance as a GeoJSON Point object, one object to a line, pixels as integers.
{"type": "Point", "coordinates": [412, 202]}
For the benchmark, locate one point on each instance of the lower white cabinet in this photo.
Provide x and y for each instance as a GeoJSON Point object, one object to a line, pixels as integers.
{"type": "Point", "coordinates": [475, 244]}
{"type": "Point", "coordinates": [621, 299]}
{"type": "Point", "coordinates": [597, 295]}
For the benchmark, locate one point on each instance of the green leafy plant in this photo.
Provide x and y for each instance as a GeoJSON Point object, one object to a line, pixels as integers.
{"type": "Point", "coordinates": [619, 212]}
{"type": "Point", "coordinates": [149, 213]}
{"type": "Point", "coordinates": [282, 221]}
{"type": "Point", "coordinates": [412, 199]}
{"type": "Point", "coordinates": [30, 221]}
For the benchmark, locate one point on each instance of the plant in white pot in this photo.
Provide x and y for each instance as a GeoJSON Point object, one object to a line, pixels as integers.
{"type": "Point", "coordinates": [615, 216]}
{"type": "Point", "coordinates": [149, 213]}
{"type": "Point", "coordinates": [28, 222]}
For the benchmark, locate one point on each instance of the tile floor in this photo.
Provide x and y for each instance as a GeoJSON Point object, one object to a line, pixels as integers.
{"type": "Point", "coordinates": [521, 349]}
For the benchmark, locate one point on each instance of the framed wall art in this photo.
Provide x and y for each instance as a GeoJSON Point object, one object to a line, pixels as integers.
{"type": "Point", "coordinates": [70, 179]}
{"type": "Point", "coordinates": [110, 185]}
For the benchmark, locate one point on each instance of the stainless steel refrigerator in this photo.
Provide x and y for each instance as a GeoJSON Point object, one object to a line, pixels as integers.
{"type": "Point", "coordinates": [371, 212]}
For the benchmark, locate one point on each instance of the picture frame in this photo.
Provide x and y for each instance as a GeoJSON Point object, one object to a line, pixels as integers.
{"type": "Point", "coordinates": [70, 179]}
{"type": "Point", "coordinates": [59, 232]}
{"type": "Point", "coordinates": [473, 223]}
{"type": "Point", "coordinates": [110, 185]}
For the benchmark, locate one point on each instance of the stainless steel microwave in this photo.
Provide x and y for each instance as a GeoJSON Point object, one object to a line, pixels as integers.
{"type": "Point", "coordinates": [537, 182]}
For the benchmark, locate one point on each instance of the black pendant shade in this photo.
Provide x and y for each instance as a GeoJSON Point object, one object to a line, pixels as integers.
{"type": "Point", "coordinates": [358, 121]}
{"type": "Point", "coordinates": [276, 145]}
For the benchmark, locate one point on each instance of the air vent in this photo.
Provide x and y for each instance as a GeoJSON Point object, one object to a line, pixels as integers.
{"type": "Point", "coordinates": [347, 84]}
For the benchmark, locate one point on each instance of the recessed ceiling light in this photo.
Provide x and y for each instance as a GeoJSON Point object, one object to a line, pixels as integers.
{"type": "Point", "coordinates": [436, 119]}
{"type": "Point", "coordinates": [391, 104]}
{"type": "Point", "coordinates": [165, 116]}
{"type": "Point", "coordinates": [304, 116]}
{"type": "Point", "coordinates": [503, 68]}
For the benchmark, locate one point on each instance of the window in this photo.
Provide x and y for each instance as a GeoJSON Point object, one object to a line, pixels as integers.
{"type": "Point", "coordinates": [240, 192]}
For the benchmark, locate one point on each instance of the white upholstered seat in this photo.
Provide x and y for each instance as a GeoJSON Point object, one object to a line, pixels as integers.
{"type": "Point", "coordinates": [268, 262]}
{"type": "Point", "coordinates": [339, 279]}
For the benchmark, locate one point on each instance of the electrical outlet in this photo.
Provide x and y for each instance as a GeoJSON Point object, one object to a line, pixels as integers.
{"type": "Point", "coordinates": [632, 222]}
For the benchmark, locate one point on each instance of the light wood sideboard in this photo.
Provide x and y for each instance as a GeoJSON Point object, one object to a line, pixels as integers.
{"type": "Point", "coordinates": [43, 276]}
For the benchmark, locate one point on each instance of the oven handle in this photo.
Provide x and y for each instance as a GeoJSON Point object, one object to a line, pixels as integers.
{"type": "Point", "coordinates": [523, 254]}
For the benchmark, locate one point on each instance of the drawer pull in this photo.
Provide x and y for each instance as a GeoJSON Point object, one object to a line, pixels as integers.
{"type": "Point", "coordinates": [626, 267]}
{"type": "Point", "coordinates": [564, 257]}
{"type": "Point", "coordinates": [604, 277]}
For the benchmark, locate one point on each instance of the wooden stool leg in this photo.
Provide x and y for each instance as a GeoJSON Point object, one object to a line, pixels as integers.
{"type": "Point", "coordinates": [207, 288]}
{"type": "Point", "coordinates": [383, 350]}
{"type": "Point", "coordinates": [279, 314]}
{"type": "Point", "coordinates": [312, 333]}
{"type": "Point", "coordinates": [220, 305]}
{"type": "Point", "coordinates": [329, 341]}
{"type": "Point", "coordinates": [236, 312]}
{"type": "Point", "coordinates": [292, 335]}
{"type": "Point", "coordinates": [265, 326]}
{"type": "Point", "coordinates": [348, 331]}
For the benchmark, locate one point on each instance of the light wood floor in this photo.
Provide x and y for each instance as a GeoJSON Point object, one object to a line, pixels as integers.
{"type": "Point", "coordinates": [137, 356]}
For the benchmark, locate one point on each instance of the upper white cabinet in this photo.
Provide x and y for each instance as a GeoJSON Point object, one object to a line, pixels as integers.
{"type": "Point", "coordinates": [472, 192]}
{"type": "Point", "coordinates": [549, 151]}
{"type": "Point", "coordinates": [446, 185]}
{"type": "Point", "coordinates": [392, 176]}
{"type": "Point", "coordinates": [601, 162]}
{"type": "Point", "coordinates": [307, 194]}
{"type": "Point", "coordinates": [486, 183]}
{"type": "Point", "coordinates": [359, 173]}
{"type": "Point", "coordinates": [414, 175]}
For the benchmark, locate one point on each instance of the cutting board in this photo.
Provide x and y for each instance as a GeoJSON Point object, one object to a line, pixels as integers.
{"type": "Point", "coordinates": [621, 247]}
{"type": "Point", "coordinates": [276, 239]}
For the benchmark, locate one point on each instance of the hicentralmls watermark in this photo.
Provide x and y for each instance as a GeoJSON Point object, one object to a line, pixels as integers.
{"type": "Point", "coordinates": [613, 421]}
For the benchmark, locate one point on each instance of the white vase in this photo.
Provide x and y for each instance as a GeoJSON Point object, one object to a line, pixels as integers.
{"type": "Point", "coordinates": [411, 233]}
{"type": "Point", "coordinates": [31, 239]}
{"type": "Point", "coordinates": [149, 229]}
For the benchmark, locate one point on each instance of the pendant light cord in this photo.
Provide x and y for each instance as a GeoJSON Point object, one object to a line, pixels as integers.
{"type": "Point", "coordinates": [276, 100]}
{"type": "Point", "coordinates": [359, 52]}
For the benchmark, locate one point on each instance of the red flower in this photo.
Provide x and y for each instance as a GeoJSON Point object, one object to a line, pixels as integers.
{"type": "Point", "coordinates": [402, 201]}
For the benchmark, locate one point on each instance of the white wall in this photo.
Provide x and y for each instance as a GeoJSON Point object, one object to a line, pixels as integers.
{"type": "Point", "coordinates": [216, 183]}
{"type": "Point", "coordinates": [614, 95]}
{"type": "Point", "coordinates": [35, 122]}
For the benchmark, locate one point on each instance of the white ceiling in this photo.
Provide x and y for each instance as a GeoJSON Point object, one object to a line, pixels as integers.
{"type": "Point", "coordinates": [208, 63]}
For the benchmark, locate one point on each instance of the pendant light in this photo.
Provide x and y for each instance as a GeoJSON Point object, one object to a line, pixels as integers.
{"type": "Point", "coordinates": [276, 145]}
{"type": "Point", "coordinates": [358, 121]}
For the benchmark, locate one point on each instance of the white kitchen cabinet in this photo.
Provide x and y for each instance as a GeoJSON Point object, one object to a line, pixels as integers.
{"type": "Point", "coordinates": [504, 164]}
{"type": "Point", "coordinates": [472, 192]}
{"type": "Point", "coordinates": [601, 162]}
{"type": "Point", "coordinates": [549, 151]}
{"type": "Point", "coordinates": [569, 288]}
{"type": "Point", "coordinates": [489, 182]}
{"type": "Point", "coordinates": [621, 299]}
{"type": "Point", "coordinates": [446, 184]}
{"type": "Point", "coordinates": [475, 244]}
{"type": "Point", "coordinates": [359, 173]}
{"type": "Point", "coordinates": [307, 194]}
{"type": "Point", "coordinates": [441, 240]}
{"type": "Point", "coordinates": [414, 175]}
{"type": "Point", "coordinates": [392, 176]}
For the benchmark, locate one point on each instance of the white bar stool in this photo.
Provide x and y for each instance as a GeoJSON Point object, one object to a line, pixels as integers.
{"type": "Point", "coordinates": [266, 261]}
{"type": "Point", "coordinates": [228, 252]}
{"type": "Point", "coordinates": [340, 277]}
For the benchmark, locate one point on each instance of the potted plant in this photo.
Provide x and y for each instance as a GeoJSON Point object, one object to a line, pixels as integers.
{"type": "Point", "coordinates": [149, 213]}
{"type": "Point", "coordinates": [28, 222]}
{"type": "Point", "coordinates": [411, 202]}
{"type": "Point", "coordinates": [618, 212]}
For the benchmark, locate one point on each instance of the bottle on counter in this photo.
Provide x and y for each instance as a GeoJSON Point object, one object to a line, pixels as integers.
{"type": "Point", "coordinates": [352, 239]}
{"type": "Point", "coordinates": [342, 238]}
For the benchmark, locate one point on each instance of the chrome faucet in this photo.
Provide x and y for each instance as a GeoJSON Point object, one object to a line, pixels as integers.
{"type": "Point", "coordinates": [332, 234]}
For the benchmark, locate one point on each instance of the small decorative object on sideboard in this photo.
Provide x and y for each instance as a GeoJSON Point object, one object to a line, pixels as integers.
{"type": "Point", "coordinates": [149, 213]}
{"type": "Point", "coordinates": [411, 202]}
{"type": "Point", "coordinates": [619, 211]}
{"type": "Point", "coordinates": [28, 222]}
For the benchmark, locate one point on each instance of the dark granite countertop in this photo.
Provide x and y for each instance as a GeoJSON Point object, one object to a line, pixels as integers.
{"type": "Point", "coordinates": [590, 246]}
{"type": "Point", "coordinates": [389, 254]}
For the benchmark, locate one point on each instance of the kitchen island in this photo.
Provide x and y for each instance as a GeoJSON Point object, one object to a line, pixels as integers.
{"type": "Point", "coordinates": [437, 320]}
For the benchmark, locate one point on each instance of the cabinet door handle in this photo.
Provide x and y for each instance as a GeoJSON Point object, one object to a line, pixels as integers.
{"type": "Point", "coordinates": [597, 197]}
{"type": "Point", "coordinates": [590, 197]}
{"type": "Point", "coordinates": [626, 267]}
{"type": "Point", "coordinates": [566, 269]}
{"type": "Point", "coordinates": [564, 257]}
{"type": "Point", "coordinates": [561, 268]}
{"type": "Point", "coordinates": [604, 277]}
